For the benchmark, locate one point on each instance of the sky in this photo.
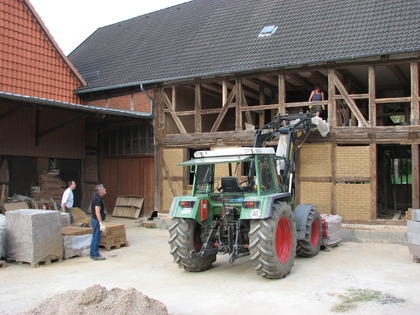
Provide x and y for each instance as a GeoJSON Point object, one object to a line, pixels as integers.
{"type": "Point", "coordinates": [71, 22]}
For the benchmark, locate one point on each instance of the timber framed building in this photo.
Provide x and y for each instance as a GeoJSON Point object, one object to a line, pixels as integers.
{"type": "Point", "coordinates": [211, 72]}
{"type": "Point", "coordinates": [216, 70]}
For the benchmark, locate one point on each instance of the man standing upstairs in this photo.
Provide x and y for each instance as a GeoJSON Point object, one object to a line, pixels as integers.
{"type": "Point", "coordinates": [67, 200]}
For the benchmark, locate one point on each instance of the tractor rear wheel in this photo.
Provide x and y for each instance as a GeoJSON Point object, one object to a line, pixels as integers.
{"type": "Point", "coordinates": [187, 235]}
{"type": "Point", "coordinates": [311, 245]}
{"type": "Point", "coordinates": [272, 242]}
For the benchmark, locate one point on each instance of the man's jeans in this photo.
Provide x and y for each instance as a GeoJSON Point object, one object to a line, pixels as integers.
{"type": "Point", "coordinates": [96, 238]}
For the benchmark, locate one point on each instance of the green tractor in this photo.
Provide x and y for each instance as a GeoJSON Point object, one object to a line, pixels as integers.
{"type": "Point", "coordinates": [241, 204]}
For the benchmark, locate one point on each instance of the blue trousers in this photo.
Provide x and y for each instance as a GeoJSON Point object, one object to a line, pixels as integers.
{"type": "Point", "coordinates": [96, 238]}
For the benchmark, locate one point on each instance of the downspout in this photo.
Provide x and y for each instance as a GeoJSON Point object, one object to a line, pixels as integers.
{"type": "Point", "coordinates": [156, 151]}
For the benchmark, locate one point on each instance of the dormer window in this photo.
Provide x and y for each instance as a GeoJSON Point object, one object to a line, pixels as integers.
{"type": "Point", "coordinates": [268, 30]}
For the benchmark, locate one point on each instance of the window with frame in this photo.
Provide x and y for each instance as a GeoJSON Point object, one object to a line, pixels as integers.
{"type": "Point", "coordinates": [129, 140]}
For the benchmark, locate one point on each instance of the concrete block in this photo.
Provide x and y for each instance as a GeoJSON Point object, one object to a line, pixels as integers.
{"type": "Point", "coordinates": [413, 227]}
{"type": "Point", "coordinates": [64, 219]}
{"type": "Point", "coordinates": [415, 215]}
{"type": "Point", "coordinates": [2, 242]}
{"type": "Point", "coordinates": [33, 235]}
{"type": "Point", "coordinates": [413, 238]}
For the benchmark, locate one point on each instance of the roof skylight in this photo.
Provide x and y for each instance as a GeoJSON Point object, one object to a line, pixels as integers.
{"type": "Point", "coordinates": [268, 30]}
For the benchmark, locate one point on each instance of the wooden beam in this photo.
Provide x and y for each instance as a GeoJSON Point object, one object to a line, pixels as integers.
{"type": "Point", "coordinates": [302, 81]}
{"type": "Point", "coordinates": [174, 116]}
{"type": "Point", "coordinates": [225, 107]}
{"type": "Point", "coordinates": [332, 109]}
{"type": "Point", "coordinates": [415, 186]}
{"type": "Point", "coordinates": [282, 93]}
{"type": "Point", "coordinates": [197, 106]}
{"type": "Point", "coordinates": [373, 181]}
{"type": "Point", "coordinates": [239, 100]}
{"type": "Point", "coordinates": [354, 109]}
{"type": "Point", "coordinates": [372, 96]}
{"type": "Point", "coordinates": [333, 156]}
{"type": "Point", "coordinates": [414, 70]}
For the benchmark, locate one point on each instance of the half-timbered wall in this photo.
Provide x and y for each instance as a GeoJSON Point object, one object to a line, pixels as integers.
{"type": "Point", "coordinates": [367, 103]}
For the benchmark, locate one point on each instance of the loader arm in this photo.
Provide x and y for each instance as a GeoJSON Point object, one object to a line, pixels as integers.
{"type": "Point", "coordinates": [294, 126]}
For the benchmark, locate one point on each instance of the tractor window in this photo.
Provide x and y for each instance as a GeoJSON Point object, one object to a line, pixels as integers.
{"type": "Point", "coordinates": [204, 179]}
{"type": "Point", "coordinates": [266, 179]}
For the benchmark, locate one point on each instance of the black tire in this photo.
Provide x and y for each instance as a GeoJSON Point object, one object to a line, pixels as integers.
{"type": "Point", "coordinates": [272, 243]}
{"type": "Point", "coordinates": [310, 246]}
{"type": "Point", "coordinates": [187, 235]}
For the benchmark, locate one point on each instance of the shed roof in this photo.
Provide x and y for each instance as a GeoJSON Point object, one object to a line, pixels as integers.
{"type": "Point", "coordinates": [202, 38]}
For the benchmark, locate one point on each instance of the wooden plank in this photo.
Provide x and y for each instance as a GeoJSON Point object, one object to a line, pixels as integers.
{"type": "Point", "coordinates": [393, 100]}
{"type": "Point", "coordinates": [128, 206]}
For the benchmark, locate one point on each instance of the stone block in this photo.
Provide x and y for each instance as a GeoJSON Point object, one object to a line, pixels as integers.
{"type": "Point", "coordinates": [415, 215]}
{"type": "Point", "coordinates": [33, 235]}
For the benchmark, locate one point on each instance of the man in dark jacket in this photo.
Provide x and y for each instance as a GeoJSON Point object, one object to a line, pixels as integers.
{"type": "Point", "coordinates": [97, 220]}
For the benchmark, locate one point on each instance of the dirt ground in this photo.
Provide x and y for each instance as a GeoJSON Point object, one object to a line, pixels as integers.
{"type": "Point", "coordinates": [354, 278]}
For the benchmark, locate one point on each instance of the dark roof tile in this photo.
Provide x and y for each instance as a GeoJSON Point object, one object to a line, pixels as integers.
{"type": "Point", "coordinates": [202, 37]}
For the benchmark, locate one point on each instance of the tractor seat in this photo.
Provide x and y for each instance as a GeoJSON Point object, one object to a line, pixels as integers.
{"type": "Point", "coordinates": [231, 184]}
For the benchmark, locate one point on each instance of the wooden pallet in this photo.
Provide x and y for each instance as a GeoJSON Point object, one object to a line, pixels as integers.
{"type": "Point", "coordinates": [43, 262]}
{"type": "Point", "coordinates": [114, 246]}
{"type": "Point", "coordinates": [3, 264]}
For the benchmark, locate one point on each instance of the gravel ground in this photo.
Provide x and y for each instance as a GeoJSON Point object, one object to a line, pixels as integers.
{"type": "Point", "coordinates": [354, 278]}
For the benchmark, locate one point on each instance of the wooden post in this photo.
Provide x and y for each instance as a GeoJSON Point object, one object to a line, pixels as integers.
{"type": "Point", "coordinates": [372, 96]}
{"type": "Point", "coordinates": [332, 110]}
{"type": "Point", "coordinates": [414, 69]}
{"type": "Point", "coordinates": [415, 186]}
{"type": "Point", "coordinates": [373, 182]}
{"type": "Point", "coordinates": [282, 93]}
{"type": "Point", "coordinates": [261, 116]}
{"type": "Point", "coordinates": [333, 203]}
{"type": "Point", "coordinates": [197, 106]}
{"type": "Point", "coordinates": [238, 112]}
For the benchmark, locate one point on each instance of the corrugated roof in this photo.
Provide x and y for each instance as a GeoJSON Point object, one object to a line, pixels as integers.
{"type": "Point", "coordinates": [201, 38]}
{"type": "Point", "coordinates": [75, 107]}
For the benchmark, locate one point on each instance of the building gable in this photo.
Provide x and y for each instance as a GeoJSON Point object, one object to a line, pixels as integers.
{"type": "Point", "coordinates": [32, 64]}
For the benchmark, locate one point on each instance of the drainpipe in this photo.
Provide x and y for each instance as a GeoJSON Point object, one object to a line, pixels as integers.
{"type": "Point", "coordinates": [156, 152]}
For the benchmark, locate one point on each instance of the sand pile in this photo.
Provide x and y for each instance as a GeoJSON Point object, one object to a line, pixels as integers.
{"type": "Point", "coordinates": [97, 300]}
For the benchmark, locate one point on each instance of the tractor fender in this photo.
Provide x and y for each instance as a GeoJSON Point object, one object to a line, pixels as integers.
{"type": "Point", "coordinates": [267, 211]}
{"type": "Point", "coordinates": [301, 213]}
{"type": "Point", "coordinates": [174, 204]}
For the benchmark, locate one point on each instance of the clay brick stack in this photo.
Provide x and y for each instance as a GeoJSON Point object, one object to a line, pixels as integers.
{"type": "Point", "coordinates": [33, 236]}
{"type": "Point", "coordinates": [331, 227]}
{"type": "Point", "coordinates": [114, 236]}
{"type": "Point", "coordinates": [51, 186]}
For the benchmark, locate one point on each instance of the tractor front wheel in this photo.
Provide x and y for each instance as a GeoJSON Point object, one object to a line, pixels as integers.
{"type": "Point", "coordinates": [311, 245]}
{"type": "Point", "coordinates": [186, 235]}
{"type": "Point", "coordinates": [272, 242]}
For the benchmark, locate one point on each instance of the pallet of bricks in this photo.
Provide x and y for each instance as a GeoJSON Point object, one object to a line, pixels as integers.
{"type": "Point", "coordinates": [413, 234]}
{"type": "Point", "coordinates": [76, 241]}
{"type": "Point", "coordinates": [114, 236]}
{"type": "Point", "coordinates": [33, 237]}
{"type": "Point", "coordinates": [331, 231]}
